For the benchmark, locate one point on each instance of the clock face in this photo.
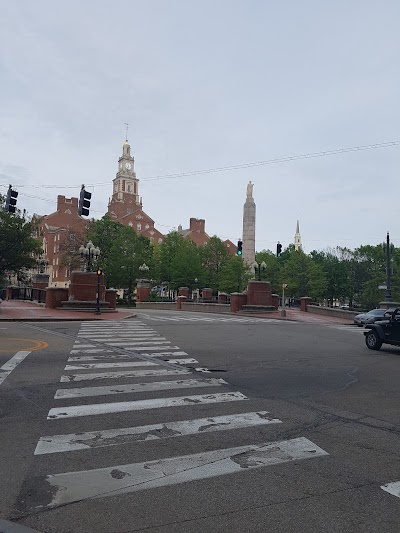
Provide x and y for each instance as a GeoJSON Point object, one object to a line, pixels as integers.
{"type": "Point", "coordinates": [128, 166]}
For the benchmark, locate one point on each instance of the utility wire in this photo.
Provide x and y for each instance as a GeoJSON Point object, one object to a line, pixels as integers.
{"type": "Point", "coordinates": [275, 161]}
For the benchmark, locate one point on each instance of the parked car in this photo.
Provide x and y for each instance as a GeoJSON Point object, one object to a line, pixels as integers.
{"type": "Point", "coordinates": [370, 317]}
{"type": "Point", "coordinates": [386, 331]}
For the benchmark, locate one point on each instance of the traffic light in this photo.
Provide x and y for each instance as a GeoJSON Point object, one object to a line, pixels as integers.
{"type": "Point", "coordinates": [278, 249]}
{"type": "Point", "coordinates": [99, 272]}
{"type": "Point", "coordinates": [84, 202]}
{"type": "Point", "coordinates": [239, 248]}
{"type": "Point", "coordinates": [11, 200]}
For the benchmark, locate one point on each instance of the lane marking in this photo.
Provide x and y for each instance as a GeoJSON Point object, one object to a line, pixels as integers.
{"type": "Point", "coordinates": [138, 387]}
{"type": "Point", "coordinates": [121, 375]}
{"type": "Point", "coordinates": [130, 435]}
{"type": "Point", "coordinates": [121, 479]}
{"type": "Point", "coordinates": [115, 355]}
{"type": "Point", "coordinates": [153, 348]}
{"type": "Point", "coordinates": [8, 367]}
{"type": "Point", "coordinates": [92, 350]}
{"type": "Point", "coordinates": [37, 345]}
{"type": "Point", "coordinates": [137, 343]}
{"type": "Point", "coordinates": [88, 366]}
{"type": "Point", "coordinates": [392, 488]}
{"type": "Point", "coordinates": [140, 405]}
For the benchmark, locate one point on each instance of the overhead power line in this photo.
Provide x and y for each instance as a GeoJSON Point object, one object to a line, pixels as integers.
{"type": "Point", "coordinates": [275, 161]}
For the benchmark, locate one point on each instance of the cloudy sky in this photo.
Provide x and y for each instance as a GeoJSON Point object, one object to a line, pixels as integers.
{"type": "Point", "coordinates": [206, 85]}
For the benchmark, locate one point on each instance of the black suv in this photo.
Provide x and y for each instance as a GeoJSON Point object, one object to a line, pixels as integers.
{"type": "Point", "coordinates": [384, 331]}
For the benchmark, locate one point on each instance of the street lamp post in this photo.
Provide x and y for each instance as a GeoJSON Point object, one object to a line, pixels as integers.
{"type": "Point", "coordinates": [259, 267]}
{"type": "Point", "coordinates": [88, 253]}
{"type": "Point", "coordinates": [388, 294]}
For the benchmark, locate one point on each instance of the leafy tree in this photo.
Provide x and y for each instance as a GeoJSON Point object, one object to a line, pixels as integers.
{"type": "Point", "coordinates": [18, 247]}
{"type": "Point", "coordinates": [234, 275]}
{"type": "Point", "coordinates": [272, 270]}
{"type": "Point", "coordinates": [214, 256]}
{"type": "Point", "coordinates": [122, 252]}
{"type": "Point", "coordinates": [336, 274]}
{"type": "Point", "coordinates": [303, 276]}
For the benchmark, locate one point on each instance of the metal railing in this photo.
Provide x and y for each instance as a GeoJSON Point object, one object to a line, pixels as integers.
{"type": "Point", "coordinates": [24, 293]}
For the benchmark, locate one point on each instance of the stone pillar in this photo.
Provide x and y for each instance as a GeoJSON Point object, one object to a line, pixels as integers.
{"type": "Point", "coordinates": [40, 281]}
{"type": "Point", "coordinates": [83, 287]}
{"type": "Point", "coordinates": [54, 297]}
{"type": "Point", "coordinates": [222, 298]}
{"type": "Point", "coordinates": [9, 293]}
{"type": "Point", "coordinates": [143, 290]}
{"type": "Point", "coordinates": [111, 298]}
{"type": "Point", "coordinates": [238, 300]}
{"type": "Point", "coordinates": [179, 301]}
{"type": "Point", "coordinates": [183, 291]}
{"type": "Point", "coordinates": [206, 294]}
{"type": "Point", "coordinates": [259, 293]}
{"type": "Point", "coordinates": [304, 303]}
{"type": "Point", "coordinates": [249, 227]}
{"type": "Point", "coordinates": [275, 300]}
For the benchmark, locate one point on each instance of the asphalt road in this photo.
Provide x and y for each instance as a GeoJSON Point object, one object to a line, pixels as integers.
{"type": "Point", "coordinates": [179, 422]}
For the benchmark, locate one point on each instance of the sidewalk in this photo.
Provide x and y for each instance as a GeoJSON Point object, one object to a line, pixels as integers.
{"type": "Point", "coordinates": [23, 310]}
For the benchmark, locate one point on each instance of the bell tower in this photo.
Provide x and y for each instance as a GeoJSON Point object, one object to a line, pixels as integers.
{"type": "Point", "coordinates": [125, 183]}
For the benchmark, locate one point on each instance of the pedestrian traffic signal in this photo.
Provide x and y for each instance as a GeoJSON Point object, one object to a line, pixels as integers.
{"type": "Point", "coordinates": [278, 249]}
{"type": "Point", "coordinates": [11, 200]}
{"type": "Point", "coordinates": [239, 248]}
{"type": "Point", "coordinates": [84, 202]}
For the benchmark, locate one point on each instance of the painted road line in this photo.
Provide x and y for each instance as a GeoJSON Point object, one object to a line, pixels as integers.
{"type": "Point", "coordinates": [9, 366]}
{"type": "Point", "coordinates": [79, 345]}
{"type": "Point", "coordinates": [88, 366]}
{"type": "Point", "coordinates": [116, 437]}
{"type": "Point", "coordinates": [116, 356]}
{"type": "Point", "coordinates": [138, 387]}
{"type": "Point", "coordinates": [392, 488]}
{"type": "Point", "coordinates": [122, 479]}
{"type": "Point", "coordinates": [181, 361]}
{"type": "Point", "coordinates": [93, 350]}
{"type": "Point", "coordinates": [136, 343]}
{"type": "Point", "coordinates": [141, 405]}
{"type": "Point", "coordinates": [144, 348]}
{"type": "Point", "coordinates": [121, 375]}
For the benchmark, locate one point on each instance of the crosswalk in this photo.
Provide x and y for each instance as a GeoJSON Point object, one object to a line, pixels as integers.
{"type": "Point", "coordinates": [190, 317]}
{"type": "Point", "coordinates": [169, 388]}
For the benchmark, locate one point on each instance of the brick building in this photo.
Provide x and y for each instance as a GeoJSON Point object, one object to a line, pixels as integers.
{"type": "Point", "coordinates": [60, 233]}
{"type": "Point", "coordinates": [125, 205]}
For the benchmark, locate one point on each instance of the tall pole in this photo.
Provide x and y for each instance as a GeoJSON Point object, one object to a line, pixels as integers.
{"type": "Point", "coordinates": [388, 294]}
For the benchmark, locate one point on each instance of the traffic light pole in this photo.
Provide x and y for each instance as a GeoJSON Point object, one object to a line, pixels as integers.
{"type": "Point", "coordinates": [388, 293]}
{"type": "Point", "coordinates": [98, 293]}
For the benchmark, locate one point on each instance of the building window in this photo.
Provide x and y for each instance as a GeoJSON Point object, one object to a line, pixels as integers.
{"type": "Point", "coordinates": [129, 187]}
{"type": "Point", "coordinates": [123, 185]}
{"type": "Point", "coordinates": [130, 224]}
{"type": "Point", "coordinates": [146, 226]}
{"type": "Point", "coordinates": [160, 240]}
{"type": "Point", "coordinates": [139, 226]}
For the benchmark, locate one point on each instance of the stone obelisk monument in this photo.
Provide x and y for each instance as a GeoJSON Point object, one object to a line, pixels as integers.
{"type": "Point", "coordinates": [249, 227]}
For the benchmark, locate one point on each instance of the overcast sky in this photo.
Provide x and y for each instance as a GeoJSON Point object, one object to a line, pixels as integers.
{"type": "Point", "coordinates": [206, 85]}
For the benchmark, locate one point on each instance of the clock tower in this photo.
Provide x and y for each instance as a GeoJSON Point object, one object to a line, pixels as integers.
{"type": "Point", "coordinates": [125, 183]}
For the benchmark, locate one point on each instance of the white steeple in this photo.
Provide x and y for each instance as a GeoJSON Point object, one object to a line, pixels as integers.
{"type": "Point", "coordinates": [297, 238]}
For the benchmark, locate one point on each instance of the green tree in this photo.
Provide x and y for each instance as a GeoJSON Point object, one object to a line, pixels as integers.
{"type": "Point", "coordinates": [214, 256]}
{"type": "Point", "coordinates": [303, 276]}
{"type": "Point", "coordinates": [18, 248]}
{"type": "Point", "coordinates": [336, 274]}
{"type": "Point", "coordinates": [272, 269]}
{"type": "Point", "coordinates": [234, 275]}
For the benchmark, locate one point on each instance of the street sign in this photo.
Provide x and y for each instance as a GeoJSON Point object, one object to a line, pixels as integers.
{"type": "Point", "coordinates": [384, 287]}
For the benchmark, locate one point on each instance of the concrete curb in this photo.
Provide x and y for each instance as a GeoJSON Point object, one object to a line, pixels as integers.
{"type": "Point", "coordinates": [11, 527]}
{"type": "Point", "coordinates": [56, 319]}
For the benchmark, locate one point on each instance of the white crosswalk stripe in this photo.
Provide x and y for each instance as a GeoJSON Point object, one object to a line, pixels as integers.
{"type": "Point", "coordinates": [392, 488]}
{"type": "Point", "coordinates": [122, 479]}
{"type": "Point", "coordinates": [200, 318]}
{"type": "Point", "coordinates": [116, 345]}
{"type": "Point", "coordinates": [114, 437]}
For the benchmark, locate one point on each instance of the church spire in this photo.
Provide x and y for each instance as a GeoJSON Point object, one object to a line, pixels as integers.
{"type": "Point", "coordinates": [297, 238]}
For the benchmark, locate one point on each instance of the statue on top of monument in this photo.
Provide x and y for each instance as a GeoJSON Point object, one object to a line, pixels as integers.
{"type": "Point", "coordinates": [250, 190]}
